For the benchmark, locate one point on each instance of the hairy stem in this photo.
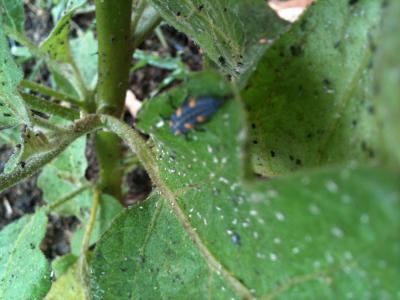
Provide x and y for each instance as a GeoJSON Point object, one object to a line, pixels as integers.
{"type": "Point", "coordinates": [83, 269]}
{"type": "Point", "coordinates": [60, 202]}
{"type": "Point", "coordinates": [31, 166]}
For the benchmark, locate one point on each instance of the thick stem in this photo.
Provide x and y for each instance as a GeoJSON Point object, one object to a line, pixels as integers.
{"type": "Point", "coordinates": [113, 32]}
{"type": "Point", "coordinates": [109, 156]}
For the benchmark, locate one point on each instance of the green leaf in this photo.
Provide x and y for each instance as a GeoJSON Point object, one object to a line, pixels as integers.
{"type": "Point", "coordinates": [63, 176]}
{"type": "Point", "coordinates": [32, 143]}
{"type": "Point", "coordinates": [68, 286]}
{"type": "Point", "coordinates": [61, 264]}
{"type": "Point", "coordinates": [228, 30]}
{"type": "Point", "coordinates": [205, 235]}
{"type": "Point", "coordinates": [84, 51]}
{"type": "Point", "coordinates": [24, 271]}
{"type": "Point", "coordinates": [310, 100]}
{"type": "Point", "coordinates": [108, 209]}
{"type": "Point", "coordinates": [321, 244]}
{"type": "Point", "coordinates": [387, 78]}
{"type": "Point", "coordinates": [58, 54]}
{"type": "Point", "coordinates": [13, 14]}
{"type": "Point", "coordinates": [12, 109]}
{"type": "Point", "coordinates": [57, 44]}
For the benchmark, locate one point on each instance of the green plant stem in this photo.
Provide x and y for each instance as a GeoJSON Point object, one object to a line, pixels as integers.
{"type": "Point", "coordinates": [113, 32]}
{"type": "Point", "coordinates": [83, 268]}
{"type": "Point", "coordinates": [45, 106]}
{"type": "Point", "coordinates": [44, 90]}
{"type": "Point", "coordinates": [109, 155]}
{"type": "Point", "coordinates": [75, 130]}
{"type": "Point", "coordinates": [60, 202]}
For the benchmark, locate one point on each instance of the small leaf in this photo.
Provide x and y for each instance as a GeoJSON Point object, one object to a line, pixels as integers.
{"type": "Point", "coordinates": [68, 286]}
{"type": "Point", "coordinates": [310, 99]}
{"type": "Point", "coordinates": [33, 143]}
{"type": "Point", "coordinates": [63, 176]}
{"type": "Point", "coordinates": [13, 14]}
{"type": "Point", "coordinates": [24, 271]}
{"type": "Point", "coordinates": [61, 264]}
{"type": "Point", "coordinates": [12, 108]}
{"type": "Point", "coordinates": [56, 48]}
{"type": "Point", "coordinates": [229, 31]}
{"type": "Point", "coordinates": [84, 51]}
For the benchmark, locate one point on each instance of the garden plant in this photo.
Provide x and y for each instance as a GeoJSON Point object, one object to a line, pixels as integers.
{"type": "Point", "coordinates": [274, 170]}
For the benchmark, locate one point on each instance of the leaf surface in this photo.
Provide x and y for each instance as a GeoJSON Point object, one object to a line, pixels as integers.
{"type": "Point", "coordinates": [65, 175]}
{"type": "Point", "coordinates": [206, 235]}
{"type": "Point", "coordinates": [13, 14]}
{"type": "Point", "coordinates": [24, 271]}
{"type": "Point", "coordinates": [68, 286]}
{"type": "Point", "coordinates": [310, 100]}
{"type": "Point", "coordinates": [228, 31]}
{"type": "Point", "coordinates": [12, 109]}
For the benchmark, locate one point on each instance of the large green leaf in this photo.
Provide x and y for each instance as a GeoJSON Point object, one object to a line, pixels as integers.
{"type": "Point", "coordinates": [24, 271]}
{"type": "Point", "coordinates": [108, 209]}
{"type": "Point", "coordinates": [229, 31]}
{"type": "Point", "coordinates": [387, 76]}
{"type": "Point", "coordinates": [13, 14]}
{"type": "Point", "coordinates": [12, 108]}
{"type": "Point", "coordinates": [205, 235]}
{"type": "Point", "coordinates": [310, 99]}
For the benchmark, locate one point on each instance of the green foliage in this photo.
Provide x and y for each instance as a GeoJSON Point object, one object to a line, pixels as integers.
{"type": "Point", "coordinates": [84, 52]}
{"type": "Point", "coordinates": [56, 49]}
{"type": "Point", "coordinates": [12, 12]}
{"type": "Point", "coordinates": [387, 78]}
{"type": "Point", "coordinates": [320, 99]}
{"type": "Point", "coordinates": [65, 175]}
{"type": "Point", "coordinates": [108, 209]}
{"type": "Point", "coordinates": [24, 271]}
{"type": "Point", "coordinates": [207, 233]}
{"type": "Point", "coordinates": [228, 30]}
{"type": "Point", "coordinates": [67, 287]}
{"type": "Point", "coordinates": [12, 110]}
{"type": "Point", "coordinates": [310, 100]}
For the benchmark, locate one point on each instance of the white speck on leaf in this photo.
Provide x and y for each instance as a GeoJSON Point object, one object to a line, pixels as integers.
{"type": "Point", "coordinates": [331, 186]}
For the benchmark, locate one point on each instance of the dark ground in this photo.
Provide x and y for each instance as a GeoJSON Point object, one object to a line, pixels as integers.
{"type": "Point", "coordinates": [25, 197]}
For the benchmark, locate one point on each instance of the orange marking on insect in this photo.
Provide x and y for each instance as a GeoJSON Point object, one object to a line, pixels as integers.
{"type": "Point", "coordinates": [192, 102]}
{"type": "Point", "coordinates": [200, 119]}
{"type": "Point", "coordinates": [178, 112]}
{"type": "Point", "coordinates": [188, 126]}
